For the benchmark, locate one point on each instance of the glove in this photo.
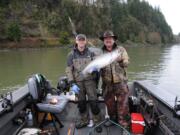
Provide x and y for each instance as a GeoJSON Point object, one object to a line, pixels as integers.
{"type": "Point", "coordinates": [75, 88]}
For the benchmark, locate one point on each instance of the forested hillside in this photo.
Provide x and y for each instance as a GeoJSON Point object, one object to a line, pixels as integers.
{"type": "Point", "coordinates": [131, 20]}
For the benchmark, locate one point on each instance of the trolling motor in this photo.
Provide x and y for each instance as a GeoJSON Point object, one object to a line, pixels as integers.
{"type": "Point", "coordinates": [7, 102]}
{"type": "Point", "coordinates": [177, 107]}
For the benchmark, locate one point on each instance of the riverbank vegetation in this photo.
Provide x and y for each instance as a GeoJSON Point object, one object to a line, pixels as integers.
{"type": "Point", "coordinates": [44, 22]}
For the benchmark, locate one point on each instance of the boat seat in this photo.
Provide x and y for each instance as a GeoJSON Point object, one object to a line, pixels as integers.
{"type": "Point", "coordinates": [40, 90]}
{"type": "Point", "coordinates": [46, 106]}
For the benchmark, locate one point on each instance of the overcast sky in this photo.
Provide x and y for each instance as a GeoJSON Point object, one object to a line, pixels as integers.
{"type": "Point", "coordinates": [171, 11]}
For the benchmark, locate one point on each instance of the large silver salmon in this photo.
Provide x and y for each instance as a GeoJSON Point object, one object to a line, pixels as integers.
{"type": "Point", "coordinates": [102, 61]}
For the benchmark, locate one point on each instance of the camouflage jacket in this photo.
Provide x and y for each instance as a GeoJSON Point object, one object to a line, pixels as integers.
{"type": "Point", "coordinates": [116, 71]}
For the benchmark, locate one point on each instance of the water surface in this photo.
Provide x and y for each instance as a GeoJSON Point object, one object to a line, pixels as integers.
{"type": "Point", "coordinates": [158, 65]}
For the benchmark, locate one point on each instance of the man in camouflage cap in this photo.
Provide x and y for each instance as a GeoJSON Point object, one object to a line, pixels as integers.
{"type": "Point", "coordinates": [114, 81]}
{"type": "Point", "coordinates": [78, 59]}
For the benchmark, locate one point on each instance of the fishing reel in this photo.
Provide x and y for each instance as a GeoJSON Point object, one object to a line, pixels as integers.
{"type": "Point", "coordinates": [7, 102]}
{"type": "Point", "coordinates": [134, 104]}
{"type": "Point", "coordinates": [177, 107]}
{"type": "Point", "coordinates": [63, 84]}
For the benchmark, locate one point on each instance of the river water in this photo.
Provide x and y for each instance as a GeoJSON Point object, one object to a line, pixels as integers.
{"type": "Point", "coordinates": [158, 65]}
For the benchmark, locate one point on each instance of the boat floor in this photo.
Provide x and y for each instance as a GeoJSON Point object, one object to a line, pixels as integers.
{"type": "Point", "coordinates": [69, 129]}
{"type": "Point", "coordinates": [70, 116]}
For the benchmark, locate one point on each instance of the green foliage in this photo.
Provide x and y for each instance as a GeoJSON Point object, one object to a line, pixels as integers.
{"type": "Point", "coordinates": [2, 23]}
{"type": "Point", "coordinates": [4, 3]}
{"type": "Point", "coordinates": [54, 23]}
{"type": "Point", "coordinates": [13, 32]}
{"type": "Point", "coordinates": [131, 20]}
{"type": "Point", "coordinates": [64, 38]}
{"type": "Point", "coordinates": [152, 18]}
{"type": "Point", "coordinates": [154, 38]}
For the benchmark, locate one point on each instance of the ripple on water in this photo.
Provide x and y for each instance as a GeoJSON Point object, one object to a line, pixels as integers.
{"type": "Point", "coordinates": [158, 65]}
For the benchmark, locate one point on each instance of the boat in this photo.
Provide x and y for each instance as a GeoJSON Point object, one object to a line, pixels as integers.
{"type": "Point", "coordinates": [160, 112]}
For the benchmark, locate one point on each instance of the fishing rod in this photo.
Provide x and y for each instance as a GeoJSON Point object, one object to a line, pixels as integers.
{"type": "Point", "coordinates": [73, 27]}
{"type": "Point", "coordinates": [74, 32]}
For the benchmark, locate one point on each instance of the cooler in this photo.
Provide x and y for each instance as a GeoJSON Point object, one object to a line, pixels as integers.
{"type": "Point", "coordinates": [137, 123]}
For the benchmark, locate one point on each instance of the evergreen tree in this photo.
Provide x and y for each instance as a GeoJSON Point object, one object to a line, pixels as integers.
{"type": "Point", "coordinates": [131, 20]}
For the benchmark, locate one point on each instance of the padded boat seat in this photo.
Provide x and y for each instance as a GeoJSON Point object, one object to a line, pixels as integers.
{"type": "Point", "coordinates": [39, 89]}
{"type": "Point", "coordinates": [53, 108]}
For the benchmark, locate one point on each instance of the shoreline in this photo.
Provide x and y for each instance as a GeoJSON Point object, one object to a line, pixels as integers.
{"type": "Point", "coordinates": [37, 42]}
